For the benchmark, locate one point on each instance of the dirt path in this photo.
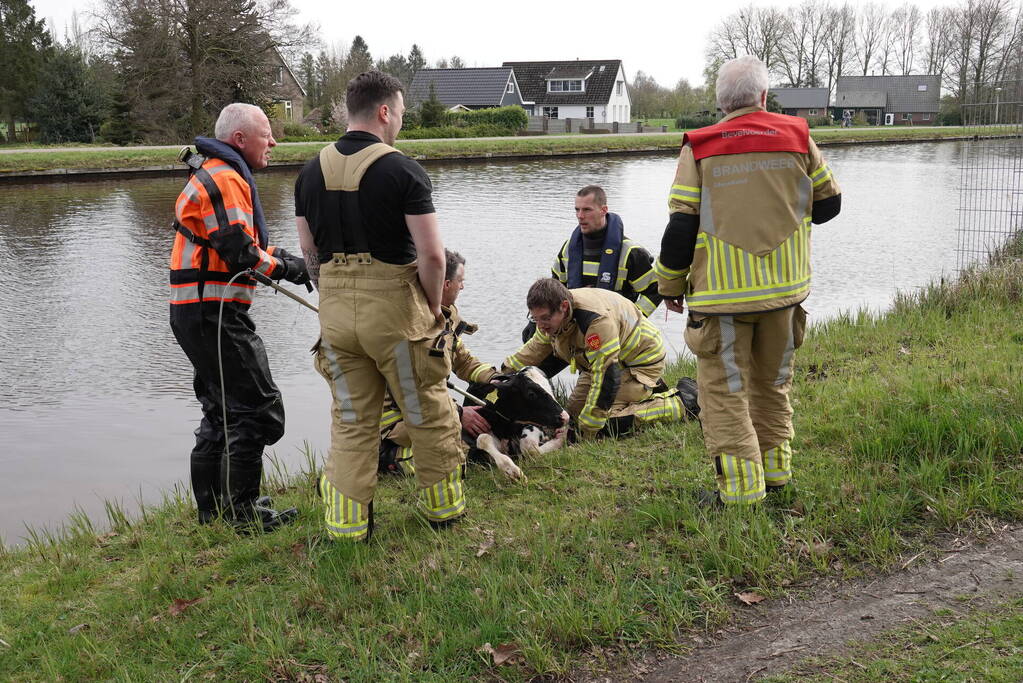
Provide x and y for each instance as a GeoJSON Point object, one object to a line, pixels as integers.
{"type": "Point", "coordinates": [772, 636]}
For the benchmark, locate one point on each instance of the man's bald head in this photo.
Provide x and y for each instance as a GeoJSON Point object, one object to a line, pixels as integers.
{"type": "Point", "coordinates": [246, 128]}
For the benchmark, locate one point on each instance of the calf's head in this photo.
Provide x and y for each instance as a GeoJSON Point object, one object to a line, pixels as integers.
{"type": "Point", "coordinates": [526, 396]}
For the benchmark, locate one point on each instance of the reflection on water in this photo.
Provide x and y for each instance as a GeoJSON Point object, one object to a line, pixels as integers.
{"type": "Point", "coordinates": [95, 397]}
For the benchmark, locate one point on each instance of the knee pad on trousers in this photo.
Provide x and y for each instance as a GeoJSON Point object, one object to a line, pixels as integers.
{"type": "Point", "coordinates": [346, 518]}
{"type": "Point", "coordinates": [778, 464]}
{"type": "Point", "coordinates": [444, 500]}
{"type": "Point", "coordinates": [740, 481]}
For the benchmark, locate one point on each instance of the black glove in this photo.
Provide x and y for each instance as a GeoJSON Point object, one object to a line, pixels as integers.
{"type": "Point", "coordinates": [295, 270]}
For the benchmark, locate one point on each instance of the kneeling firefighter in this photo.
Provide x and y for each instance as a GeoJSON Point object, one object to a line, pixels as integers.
{"type": "Point", "coordinates": [220, 234]}
{"type": "Point", "coordinates": [617, 351]}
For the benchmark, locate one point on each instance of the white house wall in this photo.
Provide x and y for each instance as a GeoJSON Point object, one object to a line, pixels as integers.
{"type": "Point", "coordinates": [619, 107]}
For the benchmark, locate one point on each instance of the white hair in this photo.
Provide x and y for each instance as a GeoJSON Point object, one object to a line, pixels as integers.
{"type": "Point", "coordinates": [740, 82]}
{"type": "Point", "coordinates": [236, 116]}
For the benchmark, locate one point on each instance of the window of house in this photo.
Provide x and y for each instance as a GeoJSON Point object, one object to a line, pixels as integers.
{"type": "Point", "coordinates": [565, 86]}
{"type": "Point", "coordinates": [922, 87]}
{"type": "Point", "coordinates": [288, 115]}
{"type": "Point", "coordinates": [589, 112]}
{"type": "Point", "coordinates": [279, 76]}
{"type": "Point", "coordinates": [511, 87]}
{"type": "Point", "coordinates": [618, 87]}
{"type": "Point", "coordinates": [550, 112]}
{"type": "Point", "coordinates": [811, 112]}
{"type": "Point", "coordinates": [927, 117]}
{"type": "Point", "coordinates": [907, 117]}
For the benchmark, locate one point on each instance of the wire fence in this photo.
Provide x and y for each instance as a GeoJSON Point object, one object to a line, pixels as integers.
{"type": "Point", "coordinates": [991, 181]}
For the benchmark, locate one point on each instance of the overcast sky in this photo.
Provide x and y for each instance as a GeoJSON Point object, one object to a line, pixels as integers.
{"type": "Point", "coordinates": [667, 44]}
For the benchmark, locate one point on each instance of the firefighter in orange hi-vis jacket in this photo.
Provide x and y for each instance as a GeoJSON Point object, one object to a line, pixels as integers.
{"type": "Point", "coordinates": [737, 248]}
{"type": "Point", "coordinates": [221, 232]}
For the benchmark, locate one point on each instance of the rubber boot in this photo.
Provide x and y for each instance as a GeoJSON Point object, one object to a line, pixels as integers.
{"type": "Point", "coordinates": [245, 509]}
{"type": "Point", "coordinates": [686, 388]}
{"type": "Point", "coordinates": [207, 485]}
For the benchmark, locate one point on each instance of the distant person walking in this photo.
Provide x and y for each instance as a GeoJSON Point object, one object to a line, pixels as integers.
{"type": "Point", "coordinates": [737, 247]}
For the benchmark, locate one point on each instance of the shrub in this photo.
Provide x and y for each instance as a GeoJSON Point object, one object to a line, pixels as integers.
{"type": "Point", "coordinates": [694, 121]}
{"type": "Point", "coordinates": [509, 118]}
{"type": "Point", "coordinates": [484, 130]}
{"type": "Point", "coordinates": [295, 129]}
{"type": "Point", "coordinates": [819, 121]}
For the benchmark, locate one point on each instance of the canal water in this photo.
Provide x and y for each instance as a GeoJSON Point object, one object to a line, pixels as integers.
{"type": "Point", "coordinates": [95, 396]}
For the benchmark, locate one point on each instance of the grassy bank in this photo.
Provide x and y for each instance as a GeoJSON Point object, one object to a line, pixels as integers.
{"type": "Point", "coordinates": [907, 426]}
{"type": "Point", "coordinates": [142, 157]}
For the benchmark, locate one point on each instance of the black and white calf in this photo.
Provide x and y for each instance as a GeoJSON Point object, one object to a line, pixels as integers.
{"type": "Point", "coordinates": [522, 420]}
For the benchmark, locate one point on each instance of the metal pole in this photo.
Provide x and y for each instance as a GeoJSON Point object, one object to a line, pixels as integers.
{"type": "Point", "coordinates": [270, 283]}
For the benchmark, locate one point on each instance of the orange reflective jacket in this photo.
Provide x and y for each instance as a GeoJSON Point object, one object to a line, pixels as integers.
{"type": "Point", "coordinates": [217, 238]}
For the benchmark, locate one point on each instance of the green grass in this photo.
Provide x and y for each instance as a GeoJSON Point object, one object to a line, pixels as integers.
{"type": "Point", "coordinates": [978, 646]}
{"type": "Point", "coordinates": [907, 426]}
{"type": "Point", "coordinates": [141, 157]}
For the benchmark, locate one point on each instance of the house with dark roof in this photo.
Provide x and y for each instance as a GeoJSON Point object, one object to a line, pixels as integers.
{"type": "Point", "coordinates": [593, 89]}
{"type": "Point", "coordinates": [475, 88]}
{"type": "Point", "coordinates": [805, 102]}
{"type": "Point", "coordinates": [889, 100]}
{"type": "Point", "coordinates": [287, 94]}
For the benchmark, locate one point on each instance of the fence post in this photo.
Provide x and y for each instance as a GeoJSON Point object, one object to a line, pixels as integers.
{"type": "Point", "coordinates": [614, 126]}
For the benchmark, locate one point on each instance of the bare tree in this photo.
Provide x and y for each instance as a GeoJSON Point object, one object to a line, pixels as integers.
{"type": "Point", "coordinates": [804, 45]}
{"type": "Point", "coordinates": [870, 26]}
{"type": "Point", "coordinates": [906, 30]}
{"type": "Point", "coordinates": [841, 45]}
{"type": "Point", "coordinates": [753, 31]}
{"type": "Point", "coordinates": [938, 43]}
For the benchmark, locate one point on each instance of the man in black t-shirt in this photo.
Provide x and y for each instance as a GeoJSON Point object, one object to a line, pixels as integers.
{"type": "Point", "coordinates": [370, 238]}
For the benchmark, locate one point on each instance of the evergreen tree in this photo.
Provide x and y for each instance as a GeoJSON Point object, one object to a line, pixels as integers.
{"type": "Point", "coordinates": [432, 110]}
{"type": "Point", "coordinates": [69, 104]}
{"type": "Point", "coordinates": [416, 61]}
{"type": "Point", "coordinates": [307, 72]}
{"type": "Point", "coordinates": [358, 60]}
{"type": "Point", "coordinates": [24, 44]}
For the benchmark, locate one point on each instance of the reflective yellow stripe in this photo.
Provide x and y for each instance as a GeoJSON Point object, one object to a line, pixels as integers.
{"type": "Point", "coordinates": [685, 193]}
{"type": "Point", "coordinates": [475, 374]}
{"type": "Point", "coordinates": [741, 481]}
{"type": "Point", "coordinates": [346, 518]}
{"type": "Point", "coordinates": [821, 175]}
{"type": "Point", "coordinates": [389, 418]}
{"type": "Point", "coordinates": [445, 499]}
{"type": "Point", "coordinates": [778, 464]}
{"type": "Point", "coordinates": [645, 304]}
{"type": "Point", "coordinates": [663, 271]}
{"type": "Point", "coordinates": [643, 281]}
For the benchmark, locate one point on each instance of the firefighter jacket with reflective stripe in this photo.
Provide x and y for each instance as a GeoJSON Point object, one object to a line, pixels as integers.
{"type": "Point", "coordinates": [752, 180]}
{"type": "Point", "coordinates": [603, 333]}
{"type": "Point", "coordinates": [631, 274]}
{"type": "Point", "coordinates": [217, 209]}
{"type": "Point", "coordinates": [464, 365]}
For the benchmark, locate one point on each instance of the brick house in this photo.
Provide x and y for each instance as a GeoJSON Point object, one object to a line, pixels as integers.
{"type": "Point", "coordinates": [889, 100]}
{"type": "Point", "coordinates": [287, 93]}
{"type": "Point", "coordinates": [807, 103]}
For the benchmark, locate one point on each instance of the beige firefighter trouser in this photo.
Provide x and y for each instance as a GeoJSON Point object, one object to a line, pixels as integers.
{"type": "Point", "coordinates": [633, 398]}
{"type": "Point", "coordinates": [744, 375]}
{"type": "Point", "coordinates": [376, 332]}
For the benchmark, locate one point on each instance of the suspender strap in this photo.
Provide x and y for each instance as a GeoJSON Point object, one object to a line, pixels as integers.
{"type": "Point", "coordinates": [342, 174]}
